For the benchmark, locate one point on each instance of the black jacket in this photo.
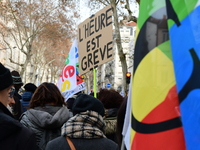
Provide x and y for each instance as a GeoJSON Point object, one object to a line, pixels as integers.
{"type": "Point", "coordinates": [13, 136]}
{"type": "Point", "coordinates": [17, 107]}
{"type": "Point", "coordinates": [61, 143]}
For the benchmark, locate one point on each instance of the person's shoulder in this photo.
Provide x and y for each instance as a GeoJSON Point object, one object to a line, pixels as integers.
{"type": "Point", "coordinates": [64, 113]}
{"type": "Point", "coordinates": [58, 139]}
{"type": "Point", "coordinates": [108, 142]}
{"type": "Point", "coordinates": [24, 115]}
{"type": "Point", "coordinates": [98, 143]}
{"type": "Point", "coordinates": [8, 125]}
{"type": "Point", "coordinates": [8, 120]}
{"type": "Point", "coordinates": [14, 132]}
{"type": "Point", "coordinates": [57, 143]}
{"type": "Point", "coordinates": [12, 126]}
{"type": "Point", "coordinates": [26, 132]}
{"type": "Point", "coordinates": [26, 139]}
{"type": "Point", "coordinates": [64, 108]}
{"type": "Point", "coordinates": [24, 119]}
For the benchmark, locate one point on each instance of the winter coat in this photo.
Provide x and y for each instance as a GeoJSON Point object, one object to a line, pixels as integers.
{"type": "Point", "coordinates": [111, 123]}
{"type": "Point", "coordinates": [60, 143]}
{"type": "Point", "coordinates": [85, 131]}
{"type": "Point", "coordinates": [13, 136]}
{"type": "Point", "coordinates": [45, 122]}
{"type": "Point", "coordinates": [26, 97]}
{"type": "Point", "coordinates": [17, 107]}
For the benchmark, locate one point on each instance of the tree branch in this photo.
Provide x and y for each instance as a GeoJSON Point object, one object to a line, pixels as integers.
{"type": "Point", "coordinates": [11, 60]}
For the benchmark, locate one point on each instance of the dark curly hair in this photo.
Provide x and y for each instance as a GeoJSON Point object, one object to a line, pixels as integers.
{"type": "Point", "coordinates": [110, 98]}
{"type": "Point", "coordinates": [47, 93]}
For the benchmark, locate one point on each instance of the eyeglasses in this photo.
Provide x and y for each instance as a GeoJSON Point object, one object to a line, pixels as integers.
{"type": "Point", "coordinates": [11, 93]}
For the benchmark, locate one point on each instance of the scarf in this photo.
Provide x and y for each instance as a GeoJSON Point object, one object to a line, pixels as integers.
{"type": "Point", "coordinates": [87, 125]}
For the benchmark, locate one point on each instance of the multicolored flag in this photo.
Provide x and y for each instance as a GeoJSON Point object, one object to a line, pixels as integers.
{"type": "Point", "coordinates": [155, 114]}
{"type": "Point", "coordinates": [70, 82]}
{"type": "Point", "coordinates": [184, 27]}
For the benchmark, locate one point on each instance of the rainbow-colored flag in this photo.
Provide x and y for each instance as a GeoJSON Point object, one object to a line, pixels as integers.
{"type": "Point", "coordinates": [155, 112]}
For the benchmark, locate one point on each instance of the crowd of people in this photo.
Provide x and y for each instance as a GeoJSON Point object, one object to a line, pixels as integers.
{"type": "Point", "coordinates": [41, 119]}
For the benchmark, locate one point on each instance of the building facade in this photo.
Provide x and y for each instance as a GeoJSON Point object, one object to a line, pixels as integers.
{"type": "Point", "coordinates": [109, 75]}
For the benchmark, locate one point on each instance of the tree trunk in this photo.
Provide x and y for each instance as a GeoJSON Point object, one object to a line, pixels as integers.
{"type": "Point", "coordinates": [42, 74]}
{"type": "Point", "coordinates": [121, 54]}
{"type": "Point", "coordinates": [52, 73]}
{"type": "Point", "coordinates": [28, 57]}
{"type": "Point", "coordinates": [24, 66]}
{"type": "Point", "coordinates": [35, 75]}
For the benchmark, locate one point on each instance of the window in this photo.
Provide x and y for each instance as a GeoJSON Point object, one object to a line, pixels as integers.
{"type": "Point", "coordinates": [165, 35]}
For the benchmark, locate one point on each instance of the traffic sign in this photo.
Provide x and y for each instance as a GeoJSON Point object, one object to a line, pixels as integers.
{"type": "Point", "coordinates": [108, 85]}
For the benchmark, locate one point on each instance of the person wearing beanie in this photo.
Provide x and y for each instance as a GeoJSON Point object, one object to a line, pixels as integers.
{"type": "Point", "coordinates": [27, 95]}
{"type": "Point", "coordinates": [17, 82]}
{"type": "Point", "coordinates": [70, 102]}
{"type": "Point", "coordinates": [13, 135]}
{"type": "Point", "coordinates": [111, 100]}
{"type": "Point", "coordinates": [85, 130]}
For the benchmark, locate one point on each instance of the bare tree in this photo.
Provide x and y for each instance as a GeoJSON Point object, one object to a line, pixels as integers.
{"type": "Point", "coordinates": [114, 5]}
{"type": "Point", "coordinates": [30, 20]}
{"type": "Point", "coordinates": [49, 55]}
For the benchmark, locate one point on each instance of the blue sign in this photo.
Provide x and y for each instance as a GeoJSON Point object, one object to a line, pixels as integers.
{"type": "Point", "coordinates": [108, 85]}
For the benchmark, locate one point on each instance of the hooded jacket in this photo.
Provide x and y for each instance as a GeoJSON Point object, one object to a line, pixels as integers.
{"type": "Point", "coordinates": [26, 97]}
{"type": "Point", "coordinates": [13, 135]}
{"type": "Point", "coordinates": [45, 122]}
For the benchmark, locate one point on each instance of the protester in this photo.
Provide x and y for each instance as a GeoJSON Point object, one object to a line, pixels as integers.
{"type": "Point", "coordinates": [13, 136]}
{"type": "Point", "coordinates": [11, 100]}
{"type": "Point", "coordinates": [85, 128]}
{"type": "Point", "coordinates": [47, 113]}
{"type": "Point", "coordinates": [120, 121]}
{"type": "Point", "coordinates": [70, 102]}
{"type": "Point", "coordinates": [17, 107]}
{"type": "Point", "coordinates": [111, 100]}
{"type": "Point", "coordinates": [27, 95]}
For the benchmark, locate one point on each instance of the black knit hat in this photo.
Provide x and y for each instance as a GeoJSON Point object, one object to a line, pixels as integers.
{"type": "Point", "coordinates": [5, 78]}
{"type": "Point", "coordinates": [16, 77]}
{"type": "Point", "coordinates": [84, 102]}
{"type": "Point", "coordinates": [30, 87]}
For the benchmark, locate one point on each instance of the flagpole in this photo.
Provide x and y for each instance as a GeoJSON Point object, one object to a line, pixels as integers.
{"type": "Point", "coordinates": [122, 145]}
{"type": "Point", "coordinates": [94, 83]}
